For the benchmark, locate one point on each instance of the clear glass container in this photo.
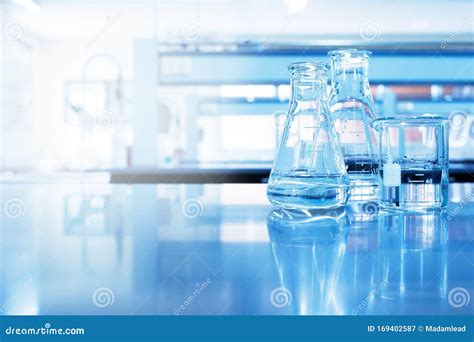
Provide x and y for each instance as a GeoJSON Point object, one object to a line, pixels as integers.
{"type": "Point", "coordinates": [414, 160]}
{"type": "Point", "coordinates": [353, 109]}
{"type": "Point", "coordinates": [308, 171]}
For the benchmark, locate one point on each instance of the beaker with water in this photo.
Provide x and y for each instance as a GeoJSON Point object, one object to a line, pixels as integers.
{"type": "Point", "coordinates": [308, 171]}
{"type": "Point", "coordinates": [352, 110]}
{"type": "Point", "coordinates": [414, 161]}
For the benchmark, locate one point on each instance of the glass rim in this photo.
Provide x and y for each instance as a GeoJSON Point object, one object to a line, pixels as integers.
{"type": "Point", "coordinates": [415, 119]}
{"type": "Point", "coordinates": [351, 53]}
{"type": "Point", "coordinates": [308, 67]}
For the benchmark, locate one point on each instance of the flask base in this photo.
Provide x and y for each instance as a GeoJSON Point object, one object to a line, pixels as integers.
{"type": "Point", "coordinates": [307, 192]}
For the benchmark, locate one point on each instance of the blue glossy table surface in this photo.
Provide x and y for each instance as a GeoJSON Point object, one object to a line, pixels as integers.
{"type": "Point", "coordinates": [106, 249]}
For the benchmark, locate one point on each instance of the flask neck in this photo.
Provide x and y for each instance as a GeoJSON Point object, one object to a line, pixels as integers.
{"type": "Point", "coordinates": [350, 78]}
{"type": "Point", "coordinates": [308, 93]}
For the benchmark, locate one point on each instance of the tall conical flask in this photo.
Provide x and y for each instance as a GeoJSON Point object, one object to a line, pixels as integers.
{"type": "Point", "coordinates": [352, 110]}
{"type": "Point", "coordinates": [308, 171]}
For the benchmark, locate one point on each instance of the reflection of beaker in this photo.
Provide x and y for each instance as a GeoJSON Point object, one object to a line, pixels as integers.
{"type": "Point", "coordinates": [308, 251]}
{"type": "Point", "coordinates": [308, 171]}
{"type": "Point", "coordinates": [413, 255]}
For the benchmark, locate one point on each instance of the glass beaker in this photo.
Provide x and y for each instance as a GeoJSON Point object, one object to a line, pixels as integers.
{"type": "Point", "coordinates": [352, 110]}
{"type": "Point", "coordinates": [414, 161]}
{"type": "Point", "coordinates": [308, 171]}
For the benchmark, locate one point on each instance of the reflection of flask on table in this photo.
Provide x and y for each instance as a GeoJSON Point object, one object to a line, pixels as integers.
{"type": "Point", "coordinates": [308, 251]}
{"type": "Point", "coordinates": [308, 171]}
{"type": "Point", "coordinates": [358, 282]}
{"type": "Point", "coordinates": [353, 109]}
{"type": "Point", "coordinates": [414, 260]}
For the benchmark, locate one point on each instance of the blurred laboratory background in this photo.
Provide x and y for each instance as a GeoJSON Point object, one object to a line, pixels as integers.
{"type": "Point", "coordinates": [127, 92]}
{"type": "Point", "coordinates": [140, 89]}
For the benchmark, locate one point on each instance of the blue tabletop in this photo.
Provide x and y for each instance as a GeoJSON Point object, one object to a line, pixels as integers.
{"type": "Point", "coordinates": [106, 249]}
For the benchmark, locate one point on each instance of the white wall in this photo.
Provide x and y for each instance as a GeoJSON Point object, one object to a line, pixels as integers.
{"type": "Point", "coordinates": [319, 18]}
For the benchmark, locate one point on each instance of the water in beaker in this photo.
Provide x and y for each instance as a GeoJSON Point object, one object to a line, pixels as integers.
{"type": "Point", "coordinates": [414, 172]}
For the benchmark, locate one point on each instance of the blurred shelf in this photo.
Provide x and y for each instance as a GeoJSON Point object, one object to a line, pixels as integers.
{"type": "Point", "coordinates": [67, 177]}
{"type": "Point", "coordinates": [189, 175]}
{"type": "Point", "coordinates": [221, 173]}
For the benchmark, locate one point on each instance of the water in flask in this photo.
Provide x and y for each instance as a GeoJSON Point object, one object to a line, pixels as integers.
{"type": "Point", "coordinates": [308, 171]}
{"type": "Point", "coordinates": [352, 110]}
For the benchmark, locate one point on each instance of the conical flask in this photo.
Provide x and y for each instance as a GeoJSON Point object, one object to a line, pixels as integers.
{"type": "Point", "coordinates": [352, 110]}
{"type": "Point", "coordinates": [308, 171]}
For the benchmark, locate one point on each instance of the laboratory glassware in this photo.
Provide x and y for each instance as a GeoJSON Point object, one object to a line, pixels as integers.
{"type": "Point", "coordinates": [308, 171]}
{"type": "Point", "coordinates": [414, 160]}
{"type": "Point", "coordinates": [352, 110]}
